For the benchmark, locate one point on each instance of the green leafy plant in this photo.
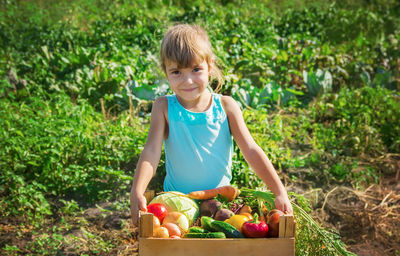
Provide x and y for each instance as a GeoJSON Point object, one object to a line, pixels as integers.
{"type": "Point", "coordinates": [317, 82]}
{"type": "Point", "coordinates": [58, 148]}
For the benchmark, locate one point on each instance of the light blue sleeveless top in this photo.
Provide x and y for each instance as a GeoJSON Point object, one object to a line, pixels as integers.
{"type": "Point", "coordinates": [198, 150]}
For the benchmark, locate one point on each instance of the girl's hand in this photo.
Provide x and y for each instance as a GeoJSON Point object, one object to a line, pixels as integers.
{"type": "Point", "coordinates": [282, 203]}
{"type": "Point", "coordinates": [138, 202]}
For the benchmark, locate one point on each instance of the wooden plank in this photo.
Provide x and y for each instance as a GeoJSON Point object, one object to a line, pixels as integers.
{"type": "Point", "coordinates": [210, 247]}
{"type": "Point", "coordinates": [294, 229]}
{"type": "Point", "coordinates": [282, 226]}
{"type": "Point", "coordinates": [145, 224]}
{"type": "Point", "coordinates": [149, 195]}
{"type": "Point", "coordinates": [289, 226]}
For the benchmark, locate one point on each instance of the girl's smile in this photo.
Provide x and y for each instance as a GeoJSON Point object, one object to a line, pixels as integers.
{"type": "Point", "coordinates": [189, 90]}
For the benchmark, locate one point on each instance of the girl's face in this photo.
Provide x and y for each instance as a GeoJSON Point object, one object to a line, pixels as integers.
{"type": "Point", "coordinates": [188, 83]}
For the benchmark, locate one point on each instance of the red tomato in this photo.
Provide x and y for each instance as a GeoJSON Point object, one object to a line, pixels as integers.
{"type": "Point", "coordinates": [158, 210]}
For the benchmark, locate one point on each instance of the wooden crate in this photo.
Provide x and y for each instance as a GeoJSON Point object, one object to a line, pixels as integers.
{"type": "Point", "coordinates": [148, 246]}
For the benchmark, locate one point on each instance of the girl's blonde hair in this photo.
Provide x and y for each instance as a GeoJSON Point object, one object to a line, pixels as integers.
{"type": "Point", "coordinates": [185, 44]}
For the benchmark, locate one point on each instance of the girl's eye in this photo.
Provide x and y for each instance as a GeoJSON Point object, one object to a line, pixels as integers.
{"type": "Point", "coordinates": [196, 69]}
{"type": "Point", "coordinates": [176, 72]}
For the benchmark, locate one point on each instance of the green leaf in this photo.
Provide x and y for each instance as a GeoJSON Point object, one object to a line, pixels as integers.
{"type": "Point", "coordinates": [33, 163]}
{"type": "Point", "coordinates": [241, 63]}
{"type": "Point", "coordinates": [96, 74]}
{"type": "Point", "coordinates": [19, 133]}
{"type": "Point", "coordinates": [46, 51]}
{"type": "Point", "coordinates": [65, 60]}
{"type": "Point", "coordinates": [283, 56]}
{"type": "Point", "coordinates": [104, 75]}
{"type": "Point", "coordinates": [144, 91]}
{"type": "Point", "coordinates": [366, 78]}
{"type": "Point", "coordinates": [300, 93]}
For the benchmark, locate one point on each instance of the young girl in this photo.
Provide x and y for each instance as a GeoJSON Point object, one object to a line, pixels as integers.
{"type": "Point", "coordinates": [196, 126]}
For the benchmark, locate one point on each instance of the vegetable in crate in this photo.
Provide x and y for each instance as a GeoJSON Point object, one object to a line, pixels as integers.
{"type": "Point", "coordinates": [226, 228]}
{"type": "Point", "coordinates": [178, 202]}
{"type": "Point", "coordinates": [227, 192]}
{"type": "Point", "coordinates": [158, 210]}
{"type": "Point", "coordinates": [197, 230]}
{"type": "Point", "coordinates": [223, 214]}
{"type": "Point", "coordinates": [248, 215]}
{"type": "Point", "coordinates": [255, 228]}
{"type": "Point", "coordinates": [244, 209]}
{"type": "Point", "coordinates": [161, 232]}
{"type": "Point", "coordinates": [274, 211]}
{"type": "Point", "coordinates": [173, 229]}
{"type": "Point", "coordinates": [205, 235]}
{"type": "Point", "coordinates": [237, 221]}
{"type": "Point", "coordinates": [206, 223]}
{"type": "Point", "coordinates": [273, 222]}
{"type": "Point", "coordinates": [156, 222]}
{"type": "Point", "coordinates": [209, 207]}
{"type": "Point", "coordinates": [177, 218]}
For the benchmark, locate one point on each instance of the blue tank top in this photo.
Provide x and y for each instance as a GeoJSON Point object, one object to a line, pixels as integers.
{"type": "Point", "coordinates": [198, 150]}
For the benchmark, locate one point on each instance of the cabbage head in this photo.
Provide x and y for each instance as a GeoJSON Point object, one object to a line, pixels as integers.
{"type": "Point", "coordinates": [177, 202]}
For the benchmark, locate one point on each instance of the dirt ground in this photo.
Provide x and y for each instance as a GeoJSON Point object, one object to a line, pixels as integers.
{"type": "Point", "coordinates": [369, 220]}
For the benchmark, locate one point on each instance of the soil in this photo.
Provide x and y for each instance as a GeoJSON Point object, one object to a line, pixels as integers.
{"type": "Point", "coordinates": [369, 220]}
{"type": "Point", "coordinates": [373, 227]}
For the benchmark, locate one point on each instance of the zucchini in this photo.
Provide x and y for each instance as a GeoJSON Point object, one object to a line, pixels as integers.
{"type": "Point", "coordinates": [197, 230]}
{"type": "Point", "coordinates": [226, 228]}
{"type": "Point", "coordinates": [205, 235]}
{"type": "Point", "coordinates": [206, 223]}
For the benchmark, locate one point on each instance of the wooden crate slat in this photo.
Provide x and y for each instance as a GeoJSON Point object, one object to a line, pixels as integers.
{"type": "Point", "coordinates": [209, 247]}
{"type": "Point", "coordinates": [294, 229]}
{"type": "Point", "coordinates": [149, 195]}
{"type": "Point", "coordinates": [289, 226]}
{"type": "Point", "coordinates": [145, 224]}
{"type": "Point", "coordinates": [282, 226]}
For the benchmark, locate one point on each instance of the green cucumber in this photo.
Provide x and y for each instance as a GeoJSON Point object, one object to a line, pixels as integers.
{"type": "Point", "coordinates": [197, 230]}
{"type": "Point", "coordinates": [206, 223]}
{"type": "Point", "coordinates": [229, 230]}
{"type": "Point", "coordinates": [205, 235]}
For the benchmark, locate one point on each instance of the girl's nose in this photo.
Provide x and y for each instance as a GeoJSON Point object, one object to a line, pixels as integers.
{"type": "Point", "coordinates": [189, 80]}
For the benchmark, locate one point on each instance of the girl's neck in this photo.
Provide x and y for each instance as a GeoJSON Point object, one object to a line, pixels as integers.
{"type": "Point", "coordinates": [201, 104]}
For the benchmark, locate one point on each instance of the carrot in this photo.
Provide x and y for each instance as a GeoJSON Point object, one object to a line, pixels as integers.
{"type": "Point", "coordinates": [228, 192]}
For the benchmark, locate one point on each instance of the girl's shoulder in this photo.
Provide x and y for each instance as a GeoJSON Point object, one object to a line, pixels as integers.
{"type": "Point", "coordinates": [161, 102]}
{"type": "Point", "coordinates": [229, 104]}
{"type": "Point", "coordinates": [161, 105]}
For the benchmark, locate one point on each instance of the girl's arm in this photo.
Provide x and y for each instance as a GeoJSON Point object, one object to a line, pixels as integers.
{"type": "Point", "coordinates": [149, 158]}
{"type": "Point", "coordinates": [254, 155]}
